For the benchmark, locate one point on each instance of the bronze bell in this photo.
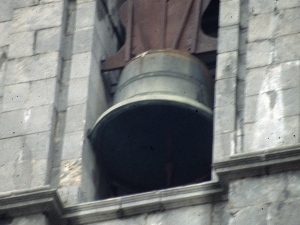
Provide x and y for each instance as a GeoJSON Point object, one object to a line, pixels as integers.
{"type": "Point", "coordinates": [158, 133]}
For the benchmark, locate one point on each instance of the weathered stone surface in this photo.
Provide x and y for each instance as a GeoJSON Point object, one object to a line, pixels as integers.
{"type": "Point", "coordinates": [259, 54]}
{"type": "Point", "coordinates": [73, 145]}
{"type": "Point", "coordinates": [293, 184]}
{"type": "Point", "coordinates": [261, 6]}
{"type": "Point", "coordinates": [33, 68]}
{"type": "Point", "coordinates": [38, 17]}
{"type": "Point", "coordinates": [40, 119]}
{"type": "Point", "coordinates": [6, 173]}
{"type": "Point", "coordinates": [261, 27]}
{"type": "Point", "coordinates": [6, 10]}
{"type": "Point", "coordinates": [83, 40]}
{"type": "Point", "coordinates": [21, 45]}
{"type": "Point", "coordinates": [227, 65]}
{"type": "Point", "coordinates": [37, 146]}
{"type": "Point", "coordinates": [229, 13]}
{"type": "Point", "coordinates": [24, 3]}
{"type": "Point", "coordinates": [225, 92]}
{"type": "Point", "coordinates": [86, 14]}
{"type": "Point", "coordinates": [43, 92]}
{"type": "Point", "coordinates": [31, 220]}
{"type": "Point", "coordinates": [287, 4]}
{"type": "Point", "coordinates": [126, 221]}
{"type": "Point", "coordinates": [245, 14]}
{"type": "Point", "coordinates": [13, 123]}
{"type": "Point", "coordinates": [271, 132]}
{"type": "Point", "coordinates": [5, 28]}
{"type": "Point", "coordinates": [224, 146]}
{"type": "Point", "coordinates": [287, 48]}
{"type": "Point", "coordinates": [243, 41]}
{"type": "Point", "coordinates": [78, 91]}
{"type": "Point", "coordinates": [48, 40]}
{"type": "Point", "coordinates": [70, 195]}
{"type": "Point", "coordinates": [284, 213]}
{"type": "Point", "coordinates": [224, 118]}
{"type": "Point", "coordinates": [81, 65]}
{"type": "Point", "coordinates": [251, 215]}
{"type": "Point", "coordinates": [194, 215]}
{"type": "Point", "coordinates": [288, 22]}
{"type": "Point", "coordinates": [221, 214]}
{"type": "Point", "coordinates": [76, 118]}
{"type": "Point", "coordinates": [49, 1]}
{"type": "Point", "coordinates": [257, 81]}
{"type": "Point", "coordinates": [228, 39]}
{"type": "Point", "coordinates": [39, 174]}
{"type": "Point", "coordinates": [16, 96]}
{"type": "Point", "coordinates": [11, 154]}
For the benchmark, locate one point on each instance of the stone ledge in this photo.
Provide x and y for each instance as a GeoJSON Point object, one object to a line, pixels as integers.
{"type": "Point", "coordinates": [258, 163]}
{"type": "Point", "coordinates": [144, 203]}
{"type": "Point", "coordinates": [33, 201]}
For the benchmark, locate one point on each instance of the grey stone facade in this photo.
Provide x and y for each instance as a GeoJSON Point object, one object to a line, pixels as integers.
{"type": "Point", "coordinates": [52, 92]}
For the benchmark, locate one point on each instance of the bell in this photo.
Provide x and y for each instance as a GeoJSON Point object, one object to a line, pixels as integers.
{"type": "Point", "coordinates": [158, 133]}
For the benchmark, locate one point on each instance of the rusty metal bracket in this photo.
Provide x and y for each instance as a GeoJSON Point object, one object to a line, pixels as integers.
{"type": "Point", "coordinates": [160, 24]}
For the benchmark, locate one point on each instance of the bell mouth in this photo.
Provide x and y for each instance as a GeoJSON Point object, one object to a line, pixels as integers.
{"type": "Point", "coordinates": [129, 140]}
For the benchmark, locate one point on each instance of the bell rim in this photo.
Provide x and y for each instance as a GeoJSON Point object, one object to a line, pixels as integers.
{"type": "Point", "coordinates": [155, 98]}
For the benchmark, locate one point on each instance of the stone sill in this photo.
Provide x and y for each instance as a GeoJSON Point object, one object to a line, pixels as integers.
{"type": "Point", "coordinates": [45, 200]}
{"type": "Point", "coordinates": [258, 163]}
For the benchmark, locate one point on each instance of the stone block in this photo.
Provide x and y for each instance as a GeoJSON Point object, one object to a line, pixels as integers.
{"type": "Point", "coordinates": [12, 123]}
{"type": "Point", "coordinates": [11, 150]}
{"type": "Point", "coordinates": [39, 174]}
{"type": "Point", "coordinates": [271, 132]}
{"type": "Point", "coordinates": [228, 39]}
{"type": "Point", "coordinates": [287, 48]}
{"type": "Point", "coordinates": [15, 96]}
{"type": "Point", "coordinates": [22, 175]}
{"type": "Point", "coordinates": [2, 73]}
{"type": "Point", "coordinates": [48, 40]}
{"type": "Point", "coordinates": [224, 118]}
{"type": "Point", "coordinates": [246, 216]}
{"type": "Point", "coordinates": [293, 184]}
{"type": "Point", "coordinates": [24, 3]}
{"type": "Point", "coordinates": [288, 74]}
{"type": "Point", "coordinates": [38, 17]}
{"type": "Point", "coordinates": [288, 4]}
{"type": "Point", "coordinates": [224, 146]}
{"type": "Point", "coordinates": [33, 68]}
{"type": "Point", "coordinates": [240, 96]}
{"type": "Point", "coordinates": [21, 45]}
{"type": "Point", "coordinates": [288, 22]}
{"type": "Point", "coordinates": [5, 28]}
{"type": "Point", "coordinates": [257, 7]}
{"type": "Point", "coordinates": [245, 14]}
{"type": "Point", "coordinates": [229, 13]}
{"type": "Point", "coordinates": [39, 219]}
{"type": "Point", "coordinates": [67, 50]}
{"type": "Point", "coordinates": [290, 101]}
{"type": "Point", "coordinates": [221, 214]}
{"type": "Point", "coordinates": [284, 213]}
{"type": "Point", "coordinates": [6, 10]}
{"type": "Point", "coordinates": [76, 118]}
{"type": "Point", "coordinates": [225, 92]}
{"type": "Point", "coordinates": [43, 92]}
{"type": "Point", "coordinates": [86, 14]}
{"type": "Point", "coordinates": [70, 195]}
{"type": "Point", "coordinates": [200, 215]}
{"type": "Point", "coordinates": [6, 173]}
{"type": "Point", "coordinates": [81, 65]}
{"type": "Point", "coordinates": [227, 65]}
{"type": "Point", "coordinates": [71, 17]}
{"type": "Point", "coordinates": [78, 91]}
{"type": "Point", "coordinates": [257, 81]}
{"type": "Point", "coordinates": [259, 54]}
{"type": "Point", "coordinates": [83, 40]}
{"type": "Point", "coordinates": [73, 144]}
{"type": "Point", "coordinates": [38, 145]}
{"type": "Point", "coordinates": [40, 119]}
{"type": "Point", "coordinates": [261, 27]}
